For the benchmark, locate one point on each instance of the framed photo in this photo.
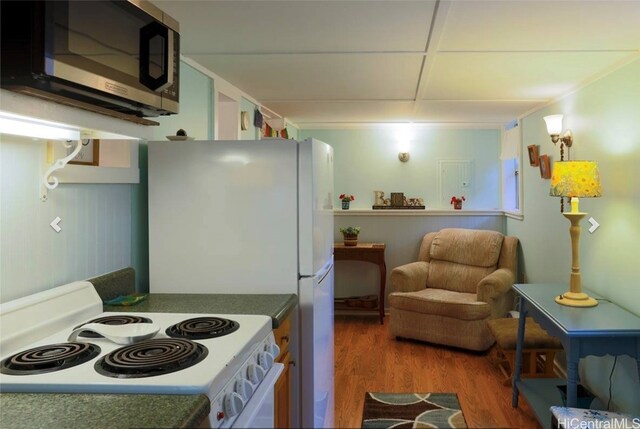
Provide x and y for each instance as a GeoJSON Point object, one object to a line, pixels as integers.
{"type": "Point", "coordinates": [534, 160]}
{"type": "Point", "coordinates": [89, 154]}
{"type": "Point", "coordinates": [397, 199]}
{"type": "Point", "coordinates": [545, 167]}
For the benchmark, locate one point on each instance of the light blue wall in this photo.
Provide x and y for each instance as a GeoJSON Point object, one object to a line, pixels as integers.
{"type": "Point", "coordinates": [367, 160]}
{"type": "Point", "coordinates": [605, 120]}
{"type": "Point", "coordinates": [294, 133]}
{"type": "Point", "coordinates": [96, 225]}
{"type": "Point", "coordinates": [196, 107]}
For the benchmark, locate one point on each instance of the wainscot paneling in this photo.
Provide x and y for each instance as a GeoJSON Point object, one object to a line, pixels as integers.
{"type": "Point", "coordinates": [96, 225]}
{"type": "Point", "coordinates": [402, 233]}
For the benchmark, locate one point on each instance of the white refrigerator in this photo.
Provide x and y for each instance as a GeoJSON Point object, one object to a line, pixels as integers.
{"type": "Point", "coordinates": [252, 217]}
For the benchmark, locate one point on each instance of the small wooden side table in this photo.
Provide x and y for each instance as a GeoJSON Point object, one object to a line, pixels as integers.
{"type": "Point", "coordinates": [366, 252]}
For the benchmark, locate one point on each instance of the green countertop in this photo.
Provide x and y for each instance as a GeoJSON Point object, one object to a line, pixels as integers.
{"type": "Point", "coordinates": [57, 410]}
{"type": "Point", "coordinates": [276, 306]}
{"type": "Point", "coordinates": [82, 411]}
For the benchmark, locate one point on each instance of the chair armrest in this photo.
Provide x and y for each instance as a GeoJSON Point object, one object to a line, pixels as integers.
{"type": "Point", "coordinates": [410, 277]}
{"type": "Point", "coordinates": [495, 285]}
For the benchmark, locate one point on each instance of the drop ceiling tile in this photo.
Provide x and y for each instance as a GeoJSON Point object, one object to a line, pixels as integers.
{"type": "Point", "coordinates": [512, 76]}
{"type": "Point", "coordinates": [300, 26]}
{"type": "Point", "coordinates": [321, 77]}
{"type": "Point", "coordinates": [471, 111]}
{"type": "Point", "coordinates": [542, 25]}
{"type": "Point", "coordinates": [344, 112]}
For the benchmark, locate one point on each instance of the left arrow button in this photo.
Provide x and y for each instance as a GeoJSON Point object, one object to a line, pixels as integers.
{"type": "Point", "coordinates": [54, 224]}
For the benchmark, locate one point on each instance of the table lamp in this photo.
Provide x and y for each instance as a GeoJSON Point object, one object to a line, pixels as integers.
{"type": "Point", "coordinates": [575, 179]}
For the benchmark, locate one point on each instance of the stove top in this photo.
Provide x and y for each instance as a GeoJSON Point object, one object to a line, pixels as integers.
{"type": "Point", "coordinates": [177, 365]}
{"type": "Point", "coordinates": [229, 358]}
{"type": "Point", "coordinates": [192, 353]}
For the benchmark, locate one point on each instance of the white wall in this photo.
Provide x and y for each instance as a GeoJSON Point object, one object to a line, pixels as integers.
{"type": "Point", "coordinates": [96, 225]}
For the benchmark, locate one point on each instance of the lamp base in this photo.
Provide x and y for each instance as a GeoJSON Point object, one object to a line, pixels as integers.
{"type": "Point", "coordinates": [576, 299]}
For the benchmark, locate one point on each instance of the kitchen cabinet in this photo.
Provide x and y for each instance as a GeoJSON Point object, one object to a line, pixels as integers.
{"type": "Point", "coordinates": [283, 385]}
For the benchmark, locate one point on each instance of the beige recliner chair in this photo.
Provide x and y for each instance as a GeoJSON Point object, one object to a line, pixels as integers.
{"type": "Point", "coordinates": [463, 278]}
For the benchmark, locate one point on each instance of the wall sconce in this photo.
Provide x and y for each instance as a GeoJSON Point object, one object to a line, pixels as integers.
{"type": "Point", "coordinates": [403, 156]}
{"type": "Point", "coordinates": [554, 128]}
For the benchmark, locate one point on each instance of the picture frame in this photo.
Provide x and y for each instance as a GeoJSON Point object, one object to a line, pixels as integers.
{"type": "Point", "coordinates": [534, 159]}
{"type": "Point", "coordinates": [545, 167]}
{"type": "Point", "coordinates": [397, 199]}
{"type": "Point", "coordinates": [89, 154]}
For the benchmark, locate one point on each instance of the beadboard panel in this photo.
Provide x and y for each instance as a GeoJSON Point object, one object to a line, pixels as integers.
{"type": "Point", "coordinates": [96, 225]}
{"type": "Point", "coordinates": [402, 236]}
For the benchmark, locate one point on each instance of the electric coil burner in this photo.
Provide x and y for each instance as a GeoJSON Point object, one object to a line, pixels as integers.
{"type": "Point", "coordinates": [52, 357]}
{"type": "Point", "coordinates": [150, 358]}
{"type": "Point", "coordinates": [201, 328]}
{"type": "Point", "coordinates": [121, 319]}
{"type": "Point", "coordinates": [229, 357]}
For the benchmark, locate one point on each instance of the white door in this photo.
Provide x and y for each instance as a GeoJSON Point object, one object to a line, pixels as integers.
{"type": "Point", "coordinates": [315, 205]}
{"type": "Point", "coordinates": [316, 349]}
{"type": "Point", "coordinates": [455, 180]}
{"type": "Point", "coordinates": [223, 217]}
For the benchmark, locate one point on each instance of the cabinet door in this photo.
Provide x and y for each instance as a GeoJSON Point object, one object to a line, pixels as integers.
{"type": "Point", "coordinates": [281, 394]}
{"type": "Point", "coordinates": [282, 388]}
{"type": "Point", "coordinates": [282, 334]}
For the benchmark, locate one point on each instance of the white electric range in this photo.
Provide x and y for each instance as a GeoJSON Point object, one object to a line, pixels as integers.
{"type": "Point", "coordinates": [235, 368]}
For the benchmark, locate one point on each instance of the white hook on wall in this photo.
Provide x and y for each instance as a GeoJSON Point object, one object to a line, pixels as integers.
{"type": "Point", "coordinates": [51, 182]}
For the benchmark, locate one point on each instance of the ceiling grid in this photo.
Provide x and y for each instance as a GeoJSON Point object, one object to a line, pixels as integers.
{"type": "Point", "coordinates": [448, 62]}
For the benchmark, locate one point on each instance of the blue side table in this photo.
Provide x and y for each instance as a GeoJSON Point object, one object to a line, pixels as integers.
{"type": "Point", "coordinates": [606, 329]}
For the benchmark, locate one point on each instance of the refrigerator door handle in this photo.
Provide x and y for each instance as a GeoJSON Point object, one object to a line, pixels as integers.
{"type": "Point", "coordinates": [321, 274]}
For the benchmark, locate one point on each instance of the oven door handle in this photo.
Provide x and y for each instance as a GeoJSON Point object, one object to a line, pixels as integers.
{"type": "Point", "coordinates": [264, 392]}
{"type": "Point", "coordinates": [149, 34]}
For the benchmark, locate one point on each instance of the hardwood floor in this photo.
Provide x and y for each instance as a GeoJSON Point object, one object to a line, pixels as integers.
{"type": "Point", "coordinates": [367, 359]}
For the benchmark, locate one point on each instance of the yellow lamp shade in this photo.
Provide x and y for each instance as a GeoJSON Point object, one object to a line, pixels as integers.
{"type": "Point", "coordinates": [575, 179]}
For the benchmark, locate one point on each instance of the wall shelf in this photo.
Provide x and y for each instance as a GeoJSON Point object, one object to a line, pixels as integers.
{"type": "Point", "coordinates": [118, 164]}
{"type": "Point", "coordinates": [426, 212]}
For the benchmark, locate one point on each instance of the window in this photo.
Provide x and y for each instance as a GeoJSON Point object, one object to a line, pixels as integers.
{"type": "Point", "coordinates": [510, 157]}
{"type": "Point", "coordinates": [510, 184]}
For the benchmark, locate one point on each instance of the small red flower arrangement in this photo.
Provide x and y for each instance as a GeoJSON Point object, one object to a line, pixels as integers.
{"type": "Point", "coordinates": [457, 202]}
{"type": "Point", "coordinates": [346, 197]}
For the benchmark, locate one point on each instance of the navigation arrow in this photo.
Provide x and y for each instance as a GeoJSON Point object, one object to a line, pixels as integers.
{"type": "Point", "coordinates": [594, 225]}
{"type": "Point", "coordinates": [54, 224]}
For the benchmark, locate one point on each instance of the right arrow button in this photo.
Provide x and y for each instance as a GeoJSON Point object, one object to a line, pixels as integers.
{"type": "Point", "coordinates": [594, 225]}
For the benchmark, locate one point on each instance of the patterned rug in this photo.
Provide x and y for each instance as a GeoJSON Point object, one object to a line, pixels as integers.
{"type": "Point", "coordinates": [412, 410]}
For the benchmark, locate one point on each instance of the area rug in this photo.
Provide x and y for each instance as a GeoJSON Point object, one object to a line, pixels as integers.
{"type": "Point", "coordinates": [412, 410]}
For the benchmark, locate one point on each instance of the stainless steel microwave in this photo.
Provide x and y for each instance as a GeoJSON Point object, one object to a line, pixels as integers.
{"type": "Point", "coordinates": [119, 55]}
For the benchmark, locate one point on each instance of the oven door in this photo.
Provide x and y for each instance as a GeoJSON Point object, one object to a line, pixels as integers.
{"type": "Point", "coordinates": [259, 411]}
{"type": "Point", "coordinates": [112, 46]}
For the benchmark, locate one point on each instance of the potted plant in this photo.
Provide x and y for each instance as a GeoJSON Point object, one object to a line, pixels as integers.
{"type": "Point", "coordinates": [457, 202]}
{"type": "Point", "coordinates": [350, 235]}
{"type": "Point", "coordinates": [346, 199]}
